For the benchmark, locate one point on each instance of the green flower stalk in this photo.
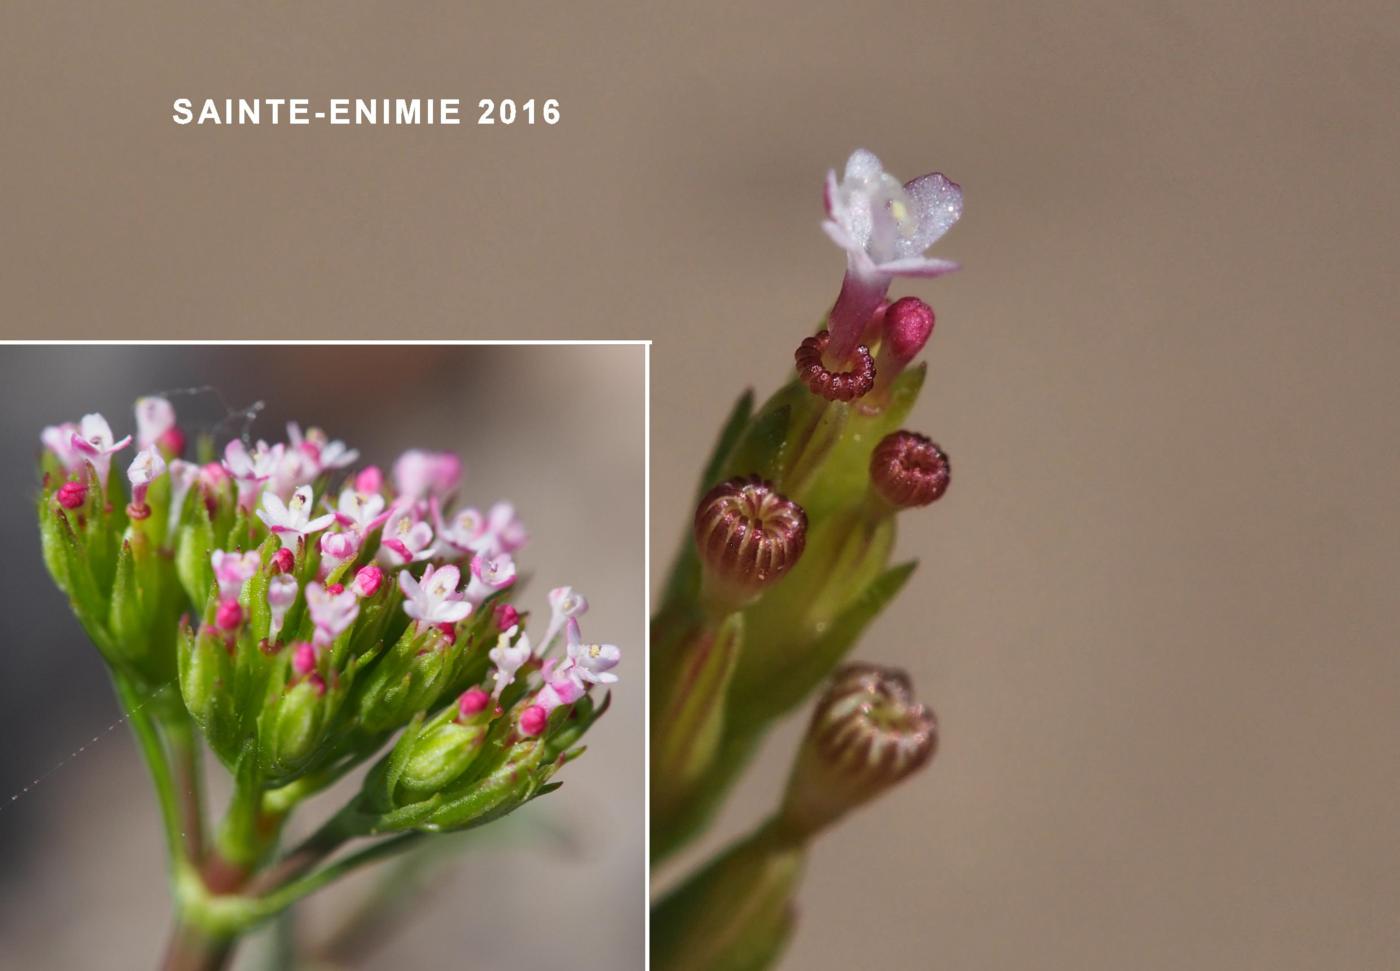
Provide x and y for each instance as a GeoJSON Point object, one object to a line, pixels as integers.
{"type": "Point", "coordinates": [303, 620]}
{"type": "Point", "coordinates": [789, 560]}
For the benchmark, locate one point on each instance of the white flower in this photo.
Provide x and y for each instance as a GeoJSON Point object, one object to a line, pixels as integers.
{"type": "Point", "coordinates": [406, 539]}
{"type": "Point", "coordinates": [315, 443]}
{"type": "Point", "coordinates": [490, 574]}
{"type": "Point", "coordinates": [503, 531]}
{"type": "Point", "coordinates": [434, 599]}
{"type": "Point", "coordinates": [93, 440]}
{"type": "Point", "coordinates": [144, 469]}
{"type": "Point", "coordinates": [337, 548]}
{"type": "Point", "coordinates": [593, 662]}
{"type": "Point", "coordinates": [292, 521]}
{"type": "Point", "coordinates": [464, 531]}
{"type": "Point", "coordinates": [564, 603]}
{"type": "Point", "coordinates": [331, 613]}
{"type": "Point", "coordinates": [508, 659]}
{"type": "Point", "coordinates": [232, 570]}
{"type": "Point", "coordinates": [251, 470]}
{"type": "Point", "coordinates": [419, 474]}
{"type": "Point", "coordinates": [154, 417]}
{"type": "Point", "coordinates": [361, 511]}
{"type": "Point", "coordinates": [281, 594]}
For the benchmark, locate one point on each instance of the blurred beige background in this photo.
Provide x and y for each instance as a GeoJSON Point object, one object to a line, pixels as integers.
{"type": "Point", "coordinates": [1157, 612]}
{"type": "Point", "coordinates": [558, 430]}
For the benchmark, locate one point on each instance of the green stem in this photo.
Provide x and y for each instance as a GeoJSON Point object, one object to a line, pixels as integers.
{"type": "Point", "coordinates": [143, 725]}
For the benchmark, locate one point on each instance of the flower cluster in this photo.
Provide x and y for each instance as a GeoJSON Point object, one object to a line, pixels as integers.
{"type": "Point", "coordinates": [789, 560]}
{"type": "Point", "coordinates": [310, 607]}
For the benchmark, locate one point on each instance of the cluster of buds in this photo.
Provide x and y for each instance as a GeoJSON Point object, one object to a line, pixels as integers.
{"type": "Point", "coordinates": [310, 608]}
{"type": "Point", "coordinates": [789, 561]}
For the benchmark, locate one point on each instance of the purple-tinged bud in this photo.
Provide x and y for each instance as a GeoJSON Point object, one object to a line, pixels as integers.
{"type": "Point", "coordinates": [472, 702]}
{"type": "Point", "coordinates": [303, 658]}
{"type": "Point", "coordinates": [907, 326]}
{"type": "Point", "coordinates": [748, 535]}
{"type": "Point", "coordinates": [367, 581]}
{"type": "Point", "coordinates": [172, 442]}
{"type": "Point", "coordinates": [533, 720]}
{"type": "Point", "coordinates": [229, 615]}
{"type": "Point", "coordinates": [282, 562]}
{"type": "Point", "coordinates": [833, 385]}
{"type": "Point", "coordinates": [369, 481]}
{"type": "Point", "coordinates": [71, 495]}
{"type": "Point", "coordinates": [866, 735]}
{"type": "Point", "coordinates": [506, 617]}
{"type": "Point", "coordinates": [908, 469]}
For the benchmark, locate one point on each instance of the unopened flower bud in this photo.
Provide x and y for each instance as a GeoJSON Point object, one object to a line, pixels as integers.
{"type": "Point", "coordinates": [438, 755]}
{"type": "Point", "coordinates": [369, 480]}
{"type": "Point", "coordinates": [748, 535]}
{"type": "Point", "coordinates": [303, 658]}
{"type": "Point", "coordinates": [907, 469]}
{"type": "Point", "coordinates": [282, 561]}
{"type": "Point", "coordinates": [71, 495]}
{"type": "Point", "coordinates": [533, 720]}
{"type": "Point", "coordinates": [229, 615]}
{"type": "Point", "coordinates": [821, 380]}
{"type": "Point", "coordinates": [867, 734]}
{"type": "Point", "coordinates": [472, 702]}
{"type": "Point", "coordinates": [506, 617]}
{"type": "Point", "coordinates": [367, 581]}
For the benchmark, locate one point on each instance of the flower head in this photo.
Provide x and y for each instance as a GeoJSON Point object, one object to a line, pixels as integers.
{"type": "Point", "coordinates": [884, 229]}
{"type": "Point", "coordinates": [434, 599]}
{"type": "Point", "coordinates": [332, 613]}
{"type": "Point", "coordinates": [291, 521]}
{"type": "Point", "coordinates": [94, 441]}
{"type": "Point", "coordinates": [232, 570]}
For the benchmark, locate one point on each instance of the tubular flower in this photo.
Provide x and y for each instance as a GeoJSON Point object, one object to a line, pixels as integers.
{"type": "Point", "coordinates": [291, 522]}
{"type": "Point", "coordinates": [94, 442]}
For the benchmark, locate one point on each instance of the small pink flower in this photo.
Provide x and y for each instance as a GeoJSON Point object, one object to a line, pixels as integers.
{"type": "Point", "coordinates": [58, 439]}
{"type": "Point", "coordinates": [281, 594]}
{"type": "Point", "coordinates": [369, 479]}
{"type": "Point", "coordinates": [490, 574]}
{"type": "Point", "coordinates": [331, 613]}
{"type": "Point", "coordinates": [229, 615]}
{"type": "Point", "coordinates": [884, 228]}
{"type": "Point", "coordinates": [145, 469]}
{"type": "Point", "coordinates": [464, 531]}
{"type": "Point", "coordinates": [506, 616]}
{"type": "Point", "coordinates": [71, 495]}
{"type": "Point", "coordinates": [367, 581]}
{"type": "Point", "coordinates": [93, 440]}
{"type": "Point", "coordinates": [360, 511]}
{"type": "Point", "coordinates": [316, 443]}
{"type": "Point", "coordinates": [434, 599]}
{"type": "Point", "coordinates": [564, 603]}
{"type": "Point", "coordinates": [505, 533]}
{"type": "Point", "coordinates": [405, 539]}
{"type": "Point", "coordinates": [232, 570]}
{"type": "Point", "coordinates": [593, 663]}
{"type": "Point", "coordinates": [292, 522]}
{"type": "Point", "coordinates": [508, 658]}
{"type": "Point", "coordinates": [155, 426]}
{"type": "Point", "coordinates": [336, 549]}
{"type": "Point", "coordinates": [472, 702]}
{"type": "Point", "coordinates": [420, 475]}
{"type": "Point", "coordinates": [533, 721]}
{"type": "Point", "coordinates": [251, 470]}
{"type": "Point", "coordinates": [562, 684]}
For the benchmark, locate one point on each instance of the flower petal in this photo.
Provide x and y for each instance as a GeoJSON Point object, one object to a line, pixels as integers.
{"type": "Point", "coordinates": [937, 203]}
{"type": "Point", "coordinates": [919, 266]}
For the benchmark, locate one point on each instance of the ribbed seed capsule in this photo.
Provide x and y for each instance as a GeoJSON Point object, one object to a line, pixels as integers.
{"type": "Point", "coordinates": [833, 385]}
{"type": "Point", "coordinates": [909, 469]}
{"type": "Point", "coordinates": [748, 534]}
{"type": "Point", "coordinates": [866, 735]}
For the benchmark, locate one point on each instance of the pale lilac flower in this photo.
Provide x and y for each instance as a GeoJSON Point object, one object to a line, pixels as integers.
{"type": "Point", "coordinates": [144, 469]}
{"type": "Point", "coordinates": [564, 603]}
{"type": "Point", "coordinates": [563, 684]}
{"type": "Point", "coordinates": [592, 662]}
{"type": "Point", "coordinates": [232, 570]}
{"type": "Point", "coordinates": [251, 470]}
{"type": "Point", "coordinates": [297, 468]}
{"type": "Point", "coordinates": [292, 521]}
{"type": "Point", "coordinates": [182, 479]}
{"type": "Point", "coordinates": [420, 475]}
{"type": "Point", "coordinates": [490, 574]}
{"type": "Point", "coordinates": [361, 511]}
{"type": "Point", "coordinates": [503, 532]}
{"type": "Point", "coordinates": [94, 440]}
{"type": "Point", "coordinates": [58, 439]}
{"type": "Point", "coordinates": [434, 599]}
{"type": "Point", "coordinates": [155, 418]}
{"type": "Point", "coordinates": [336, 549]}
{"type": "Point", "coordinates": [281, 594]}
{"type": "Point", "coordinates": [331, 613]}
{"type": "Point", "coordinates": [884, 227]}
{"type": "Point", "coordinates": [406, 539]}
{"type": "Point", "coordinates": [315, 443]}
{"type": "Point", "coordinates": [508, 659]}
{"type": "Point", "coordinates": [464, 531]}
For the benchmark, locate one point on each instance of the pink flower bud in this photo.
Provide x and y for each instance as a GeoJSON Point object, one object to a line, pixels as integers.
{"type": "Point", "coordinates": [335, 589]}
{"type": "Point", "coordinates": [367, 581]}
{"type": "Point", "coordinates": [71, 495]}
{"type": "Point", "coordinates": [506, 617]}
{"type": "Point", "coordinates": [282, 562]}
{"type": "Point", "coordinates": [907, 469]}
{"type": "Point", "coordinates": [908, 324]}
{"type": "Point", "coordinates": [303, 658]}
{"type": "Point", "coordinates": [370, 480]}
{"type": "Point", "coordinates": [172, 442]}
{"type": "Point", "coordinates": [473, 701]}
{"type": "Point", "coordinates": [533, 720]}
{"type": "Point", "coordinates": [229, 615]}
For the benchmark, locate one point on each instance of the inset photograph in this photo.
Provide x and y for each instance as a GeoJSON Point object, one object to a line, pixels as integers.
{"type": "Point", "coordinates": [324, 656]}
